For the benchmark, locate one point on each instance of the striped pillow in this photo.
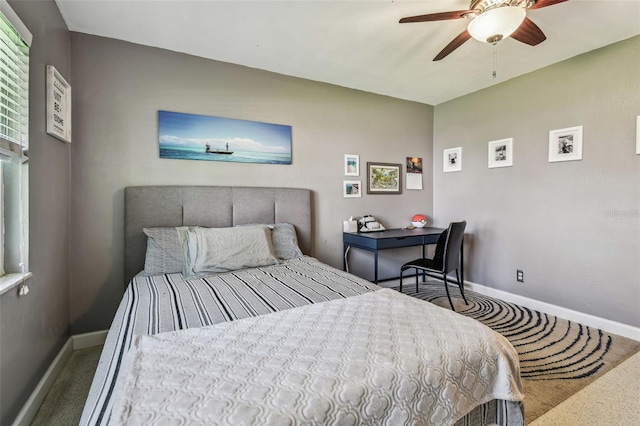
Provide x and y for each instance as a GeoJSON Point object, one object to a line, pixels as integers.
{"type": "Point", "coordinates": [164, 252]}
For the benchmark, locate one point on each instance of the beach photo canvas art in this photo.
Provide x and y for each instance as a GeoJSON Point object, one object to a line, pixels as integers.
{"type": "Point", "coordinates": [200, 137]}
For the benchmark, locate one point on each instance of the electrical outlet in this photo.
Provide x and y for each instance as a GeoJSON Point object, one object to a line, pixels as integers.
{"type": "Point", "coordinates": [519, 275]}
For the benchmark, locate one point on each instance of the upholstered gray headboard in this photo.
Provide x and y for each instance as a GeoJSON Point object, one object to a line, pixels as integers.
{"type": "Point", "coordinates": [210, 206]}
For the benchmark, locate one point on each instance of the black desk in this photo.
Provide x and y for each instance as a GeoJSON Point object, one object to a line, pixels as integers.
{"type": "Point", "coordinates": [392, 238]}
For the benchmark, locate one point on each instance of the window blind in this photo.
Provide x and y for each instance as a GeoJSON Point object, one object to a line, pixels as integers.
{"type": "Point", "coordinates": [14, 90]}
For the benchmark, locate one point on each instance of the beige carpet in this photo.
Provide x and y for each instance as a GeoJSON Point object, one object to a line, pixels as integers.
{"type": "Point", "coordinates": [65, 401]}
{"type": "Point", "coordinates": [613, 399]}
{"type": "Point", "coordinates": [557, 357]}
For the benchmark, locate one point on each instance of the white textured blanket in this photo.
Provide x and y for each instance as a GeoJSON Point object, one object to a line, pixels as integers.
{"type": "Point", "coordinates": [378, 358]}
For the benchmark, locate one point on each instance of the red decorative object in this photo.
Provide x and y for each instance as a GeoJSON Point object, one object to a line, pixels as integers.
{"type": "Point", "coordinates": [419, 220]}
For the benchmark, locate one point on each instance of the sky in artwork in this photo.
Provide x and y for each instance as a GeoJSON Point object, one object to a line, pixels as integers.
{"type": "Point", "coordinates": [179, 129]}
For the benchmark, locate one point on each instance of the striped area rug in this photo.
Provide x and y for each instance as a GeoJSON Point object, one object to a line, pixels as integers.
{"type": "Point", "coordinates": [557, 357]}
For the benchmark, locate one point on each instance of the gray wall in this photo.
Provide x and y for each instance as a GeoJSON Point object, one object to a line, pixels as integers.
{"type": "Point", "coordinates": [118, 89]}
{"type": "Point", "coordinates": [33, 328]}
{"type": "Point", "coordinates": [573, 227]}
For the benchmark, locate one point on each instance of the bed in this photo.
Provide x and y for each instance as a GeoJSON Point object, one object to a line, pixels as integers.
{"type": "Point", "coordinates": [293, 342]}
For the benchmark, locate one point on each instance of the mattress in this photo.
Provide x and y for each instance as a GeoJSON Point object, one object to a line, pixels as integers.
{"type": "Point", "coordinates": [166, 303]}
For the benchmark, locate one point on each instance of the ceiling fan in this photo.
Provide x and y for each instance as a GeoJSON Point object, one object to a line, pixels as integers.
{"type": "Point", "coordinates": [492, 21]}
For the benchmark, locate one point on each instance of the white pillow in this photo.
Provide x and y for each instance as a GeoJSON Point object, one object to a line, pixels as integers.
{"type": "Point", "coordinates": [284, 240]}
{"type": "Point", "coordinates": [215, 250]}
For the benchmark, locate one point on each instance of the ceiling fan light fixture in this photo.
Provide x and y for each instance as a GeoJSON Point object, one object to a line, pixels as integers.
{"type": "Point", "coordinates": [496, 24]}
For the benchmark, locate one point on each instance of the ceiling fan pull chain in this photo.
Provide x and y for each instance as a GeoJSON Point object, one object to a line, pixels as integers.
{"type": "Point", "coordinates": [495, 60]}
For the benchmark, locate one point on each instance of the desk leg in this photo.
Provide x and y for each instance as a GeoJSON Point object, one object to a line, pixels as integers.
{"type": "Point", "coordinates": [424, 275]}
{"type": "Point", "coordinates": [375, 267]}
{"type": "Point", "coordinates": [462, 262]}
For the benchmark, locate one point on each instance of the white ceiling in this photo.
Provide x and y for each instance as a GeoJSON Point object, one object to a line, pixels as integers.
{"type": "Point", "coordinates": [357, 43]}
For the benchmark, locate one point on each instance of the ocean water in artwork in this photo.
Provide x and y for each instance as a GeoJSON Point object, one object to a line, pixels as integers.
{"type": "Point", "coordinates": [191, 153]}
{"type": "Point", "coordinates": [199, 137]}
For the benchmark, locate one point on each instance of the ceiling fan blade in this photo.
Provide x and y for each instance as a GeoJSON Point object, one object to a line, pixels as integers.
{"type": "Point", "coordinates": [545, 3]}
{"type": "Point", "coordinates": [529, 33]}
{"type": "Point", "coordinates": [455, 43]}
{"type": "Point", "coordinates": [442, 16]}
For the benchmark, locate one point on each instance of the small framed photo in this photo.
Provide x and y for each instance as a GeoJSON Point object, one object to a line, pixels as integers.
{"type": "Point", "coordinates": [501, 153]}
{"type": "Point", "coordinates": [414, 165]}
{"type": "Point", "coordinates": [452, 161]}
{"type": "Point", "coordinates": [565, 144]}
{"type": "Point", "coordinates": [638, 135]}
{"type": "Point", "coordinates": [384, 178]}
{"type": "Point", "coordinates": [352, 188]}
{"type": "Point", "coordinates": [351, 165]}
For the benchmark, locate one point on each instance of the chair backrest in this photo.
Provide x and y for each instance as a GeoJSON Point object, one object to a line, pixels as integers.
{"type": "Point", "coordinates": [455, 233]}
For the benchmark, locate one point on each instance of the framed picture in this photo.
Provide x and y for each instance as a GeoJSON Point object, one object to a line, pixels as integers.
{"type": "Point", "coordinates": [501, 153]}
{"type": "Point", "coordinates": [414, 173]}
{"type": "Point", "coordinates": [184, 136]}
{"type": "Point", "coordinates": [565, 144]}
{"type": "Point", "coordinates": [352, 188]}
{"type": "Point", "coordinates": [452, 161]}
{"type": "Point", "coordinates": [414, 165]}
{"type": "Point", "coordinates": [351, 165]}
{"type": "Point", "coordinates": [638, 135]}
{"type": "Point", "coordinates": [58, 105]}
{"type": "Point", "coordinates": [384, 178]}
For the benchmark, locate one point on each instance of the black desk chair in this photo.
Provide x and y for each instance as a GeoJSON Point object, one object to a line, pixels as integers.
{"type": "Point", "coordinates": [446, 259]}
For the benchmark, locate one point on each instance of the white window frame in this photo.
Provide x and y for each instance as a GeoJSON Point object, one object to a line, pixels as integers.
{"type": "Point", "coordinates": [1, 222]}
{"type": "Point", "coordinates": [11, 149]}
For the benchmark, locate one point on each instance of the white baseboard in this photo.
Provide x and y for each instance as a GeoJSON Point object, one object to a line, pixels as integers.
{"type": "Point", "coordinates": [88, 340]}
{"type": "Point", "coordinates": [75, 342]}
{"type": "Point", "coordinates": [30, 408]}
{"type": "Point", "coordinates": [603, 324]}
